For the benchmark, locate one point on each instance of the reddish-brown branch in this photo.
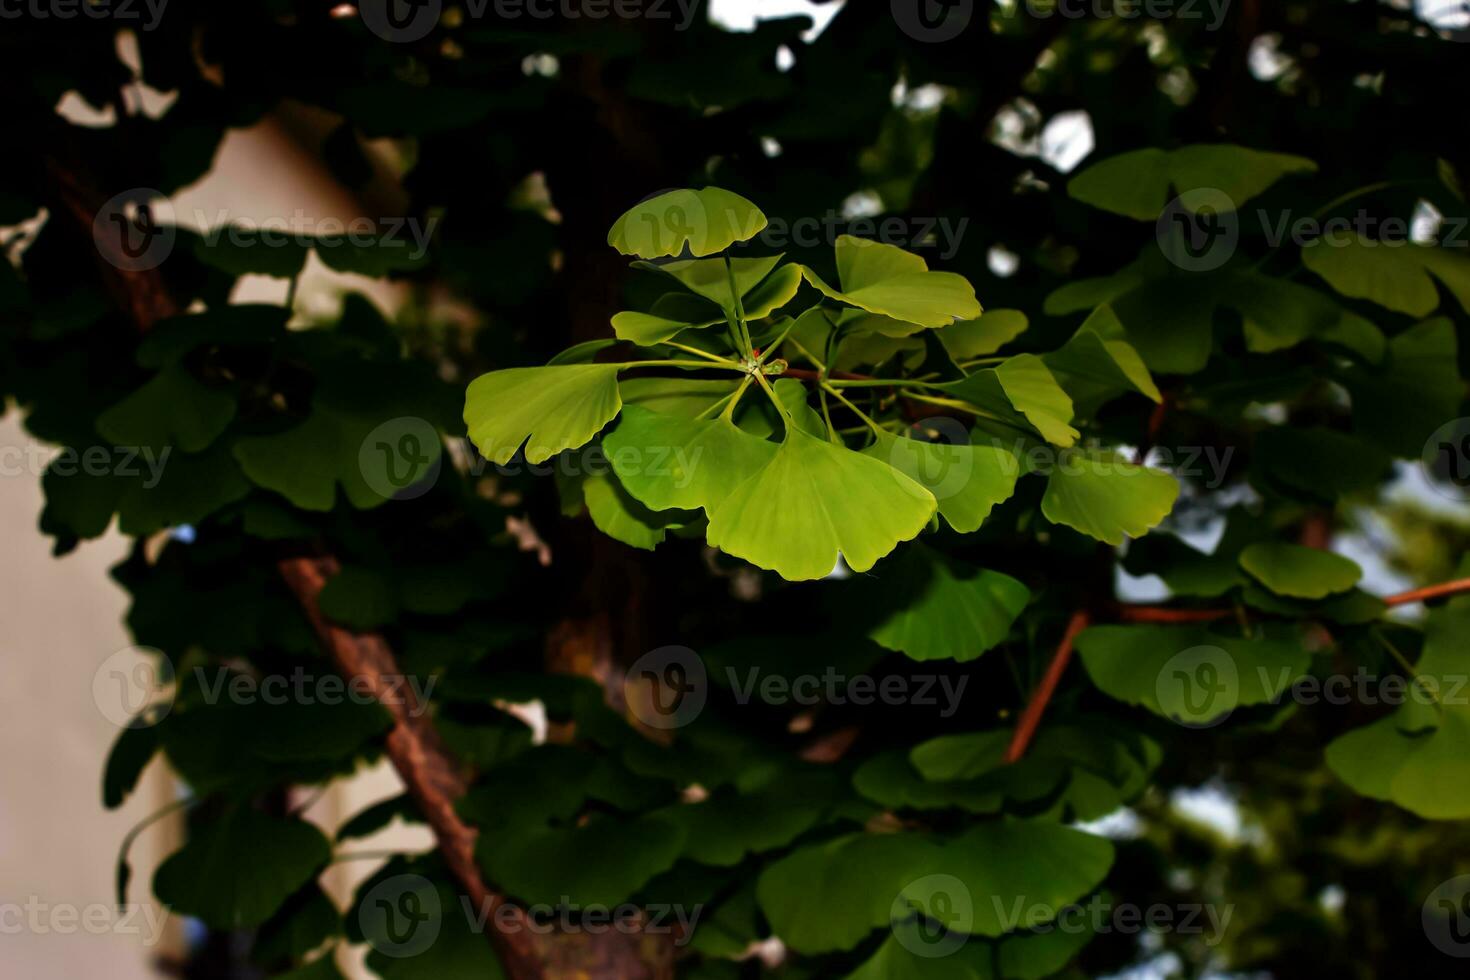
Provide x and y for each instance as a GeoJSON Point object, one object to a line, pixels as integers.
{"type": "Point", "coordinates": [1159, 614]}
{"type": "Point", "coordinates": [1163, 614]}
{"type": "Point", "coordinates": [1041, 697]}
{"type": "Point", "coordinates": [1455, 587]}
{"type": "Point", "coordinates": [417, 754]}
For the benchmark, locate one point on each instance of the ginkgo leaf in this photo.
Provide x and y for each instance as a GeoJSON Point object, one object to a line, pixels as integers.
{"type": "Point", "coordinates": [884, 279]}
{"type": "Point", "coordinates": [813, 501]}
{"type": "Point", "coordinates": [1020, 873]}
{"type": "Point", "coordinates": [307, 464]}
{"type": "Point", "coordinates": [621, 517]}
{"type": "Point", "coordinates": [967, 479]}
{"type": "Point", "coordinates": [1097, 364]}
{"type": "Point", "coordinates": [665, 461]}
{"type": "Point", "coordinates": [547, 409]}
{"type": "Point", "coordinates": [1397, 275]}
{"type": "Point", "coordinates": [1106, 497]}
{"type": "Point", "coordinates": [685, 397]}
{"type": "Point", "coordinates": [710, 278]}
{"type": "Point", "coordinates": [830, 895]}
{"type": "Point", "coordinates": [1140, 183]}
{"type": "Point", "coordinates": [942, 611]}
{"type": "Point", "coordinates": [1415, 390]}
{"type": "Point", "coordinates": [905, 955]}
{"type": "Point", "coordinates": [705, 221]}
{"type": "Point", "coordinates": [1395, 758]}
{"type": "Point", "coordinates": [172, 409]}
{"type": "Point", "coordinates": [761, 295]}
{"type": "Point", "coordinates": [1428, 773]}
{"type": "Point", "coordinates": [977, 338]}
{"type": "Point", "coordinates": [1022, 384]}
{"type": "Point", "coordinates": [238, 869]}
{"type": "Point", "coordinates": [646, 329]}
{"type": "Point", "coordinates": [1298, 571]}
{"type": "Point", "coordinates": [1189, 673]}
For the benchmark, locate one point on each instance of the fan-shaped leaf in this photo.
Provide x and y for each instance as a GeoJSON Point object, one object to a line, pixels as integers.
{"type": "Point", "coordinates": [547, 409]}
{"type": "Point", "coordinates": [813, 501]}
{"type": "Point", "coordinates": [1298, 571]}
{"type": "Point", "coordinates": [884, 279]}
{"type": "Point", "coordinates": [705, 221]}
{"type": "Point", "coordinates": [1105, 497]}
{"type": "Point", "coordinates": [1140, 183]}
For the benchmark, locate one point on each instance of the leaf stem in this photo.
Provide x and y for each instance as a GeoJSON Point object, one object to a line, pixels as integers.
{"type": "Point", "coordinates": [700, 353]}
{"type": "Point", "coordinates": [724, 365]}
{"type": "Point", "coordinates": [827, 387]}
{"type": "Point", "coordinates": [1403, 662]}
{"type": "Point", "coordinates": [734, 397]}
{"type": "Point", "coordinates": [737, 314]}
{"type": "Point", "coordinates": [808, 355]}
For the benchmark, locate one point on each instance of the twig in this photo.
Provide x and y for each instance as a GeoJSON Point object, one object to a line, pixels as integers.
{"type": "Point", "coordinates": [1041, 696]}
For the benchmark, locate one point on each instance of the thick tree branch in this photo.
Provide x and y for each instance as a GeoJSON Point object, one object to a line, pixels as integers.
{"type": "Point", "coordinates": [417, 754]}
